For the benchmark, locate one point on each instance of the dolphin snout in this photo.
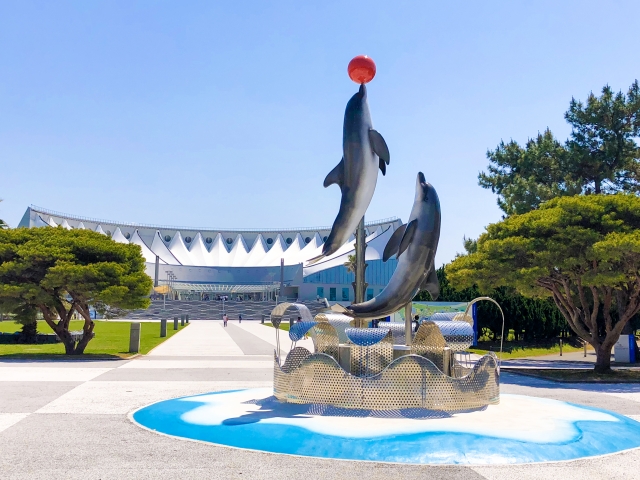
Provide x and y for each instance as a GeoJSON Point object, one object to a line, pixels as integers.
{"type": "Point", "coordinates": [421, 178]}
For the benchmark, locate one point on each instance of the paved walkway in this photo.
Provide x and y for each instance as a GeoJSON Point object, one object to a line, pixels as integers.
{"type": "Point", "coordinates": [199, 340]}
{"type": "Point", "coordinates": [80, 408]}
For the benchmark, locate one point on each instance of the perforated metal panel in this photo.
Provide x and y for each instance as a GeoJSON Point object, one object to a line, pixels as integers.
{"type": "Point", "coordinates": [294, 359]}
{"type": "Point", "coordinates": [429, 343]}
{"type": "Point", "coordinates": [339, 321]}
{"type": "Point", "coordinates": [458, 335]}
{"type": "Point", "coordinates": [411, 381]}
{"type": "Point", "coordinates": [298, 330]}
{"type": "Point", "coordinates": [397, 330]}
{"type": "Point", "coordinates": [325, 339]}
{"type": "Point", "coordinates": [372, 352]}
{"type": "Point", "coordinates": [279, 310]}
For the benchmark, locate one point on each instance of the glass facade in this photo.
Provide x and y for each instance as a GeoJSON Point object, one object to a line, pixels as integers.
{"type": "Point", "coordinates": [332, 294]}
{"type": "Point", "coordinates": [369, 293]}
{"type": "Point", "coordinates": [377, 273]}
{"type": "Point", "coordinates": [345, 294]}
{"type": "Point", "coordinates": [320, 292]}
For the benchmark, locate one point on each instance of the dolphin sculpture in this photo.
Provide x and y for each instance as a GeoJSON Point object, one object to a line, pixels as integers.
{"type": "Point", "coordinates": [415, 245]}
{"type": "Point", "coordinates": [364, 152]}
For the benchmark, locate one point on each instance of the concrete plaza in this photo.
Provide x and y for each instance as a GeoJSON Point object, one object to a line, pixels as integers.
{"type": "Point", "coordinates": [69, 419]}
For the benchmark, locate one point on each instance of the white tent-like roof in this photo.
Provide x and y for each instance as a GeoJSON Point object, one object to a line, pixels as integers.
{"type": "Point", "coordinates": [214, 248]}
{"type": "Point", "coordinates": [179, 250]}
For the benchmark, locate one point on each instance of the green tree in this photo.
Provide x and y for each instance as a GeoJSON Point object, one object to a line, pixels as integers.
{"type": "Point", "coordinates": [582, 251]}
{"type": "Point", "coordinates": [531, 319]}
{"type": "Point", "coordinates": [60, 272]}
{"type": "Point", "coordinates": [3, 224]}
{"type": "Point", "coordinates": [601, 155]}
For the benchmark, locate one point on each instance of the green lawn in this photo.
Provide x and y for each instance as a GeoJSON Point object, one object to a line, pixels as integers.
{"type": "Point", "coordinates": [526, 351]}
{"type": "Point", "coordinates": [112, 339]}
{"type": "Point", "coordinates": [283, 326]}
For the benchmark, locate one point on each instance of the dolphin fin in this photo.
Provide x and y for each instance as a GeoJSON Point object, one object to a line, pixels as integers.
{"type": "Point", "coordinates": [431, 284]}
{"type": "Point", "coordinates": [379, 146]}
{"type": "Point", "coordinates": [408, 236]}
{"type": "Point", "coordinates": [383, 166]}
{"type": "Point", "coordinates": [336, 175]}
{"type": "Point", "coordinates": [394, 242]}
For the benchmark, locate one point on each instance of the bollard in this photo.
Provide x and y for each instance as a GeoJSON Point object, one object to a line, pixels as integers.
{"type": "Point", "coordinates": [163, 327]}
{"type": "Point", "coordinates": [560, 347]}
{"type": "Point", "coordinates": [187, 318]}
{"type": "Point", "coordinates": [263, 319]}
{"type": "Point", "coordinates": [585, 349]}
{"type": "Point", "coordinates": [134, 338]}
{"type": "Point", "coordinates": [182, 320]}
{"type": "Point", "coordinates": [175, 323]}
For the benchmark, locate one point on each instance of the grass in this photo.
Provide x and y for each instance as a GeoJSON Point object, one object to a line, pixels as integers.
{"type": "Point", "coordinates": [521, 351]}
{"type": "Point", "coordinates": [283, 326]}
{"type": "Point", "coordinates": [582, 376]}
{"type": "Point", "coordinates": [111, 340]}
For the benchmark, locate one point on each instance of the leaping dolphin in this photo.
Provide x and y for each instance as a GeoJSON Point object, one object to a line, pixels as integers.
{"type": "Point", "coordinates": [364, 152]}
{"type": "Point", "coordinates": [415, 245]}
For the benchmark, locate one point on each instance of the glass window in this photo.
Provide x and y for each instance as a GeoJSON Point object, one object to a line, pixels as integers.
{"type": "Point", "coordinates": [345, 294]}
{"type": "Point", "coordinates": [369, 293]}
{"type": "Point", "coordinates": [332, 294]}
{"type": "Point", "coordinates": [320, 292]}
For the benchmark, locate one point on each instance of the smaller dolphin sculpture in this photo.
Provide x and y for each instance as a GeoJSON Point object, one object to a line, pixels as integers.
{"type": "Point", "coordinates": [364, 152]}
{"type": "Point", "coordinates": [415, 245]}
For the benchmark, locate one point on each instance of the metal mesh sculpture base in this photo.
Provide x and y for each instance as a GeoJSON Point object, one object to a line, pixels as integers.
{"type": "Point", "coordinates": [354, 368]}
{"type": "Point", "coordinates": [411, 381]}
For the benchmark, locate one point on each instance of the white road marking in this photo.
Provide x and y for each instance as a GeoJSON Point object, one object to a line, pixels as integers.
{"type": "Point", "coordinates": [49, 374]}
{"type": "Point", "coordinates": [110, 398]}
{"type": "Point", "coordinates": [9, 419]}
{"type": "Point", "coordinates": [226, 364]}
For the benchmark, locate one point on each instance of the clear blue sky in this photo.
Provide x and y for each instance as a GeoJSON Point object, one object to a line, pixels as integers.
{"type": "Point", "coordinates": [229, 114]}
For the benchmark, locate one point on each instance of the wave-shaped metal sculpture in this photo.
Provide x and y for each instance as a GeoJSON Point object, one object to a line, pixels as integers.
{"type": "Point", "coordinates": [410, 381]}
{"type": "Point", "coordinates": [363, 368]}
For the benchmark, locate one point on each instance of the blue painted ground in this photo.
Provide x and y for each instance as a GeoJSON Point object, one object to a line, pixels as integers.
{"type": "Point", "coordinates": [519, 430]}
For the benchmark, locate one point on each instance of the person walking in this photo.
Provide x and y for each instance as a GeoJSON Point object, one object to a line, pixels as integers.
{"type": "Point", "coordinates": [240, 318]}
{"type": "Point", "coordinates": [225, 319]}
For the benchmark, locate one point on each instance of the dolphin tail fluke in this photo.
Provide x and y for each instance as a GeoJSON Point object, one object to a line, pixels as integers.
{"type": "Point", "coordinates": [379, 146]}
{"type": "Point", "coordinates": [431, 284]}
{"type": "Point", "coordinates": [336, 175]}
{"type": "Point", "coordinates": [393, 244]}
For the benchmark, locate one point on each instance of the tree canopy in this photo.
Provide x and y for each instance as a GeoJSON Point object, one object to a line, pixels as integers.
{"type": "Point", "coordinates": [3, 224]}
{"type": "Point", "coordinates": [60, 272]}
{"type": "Point", "coordinates": [582, 251]}
{"type": "Point", "coordinates": [601, 155]}
{"type": "Point", "coordinates": [531, 319]}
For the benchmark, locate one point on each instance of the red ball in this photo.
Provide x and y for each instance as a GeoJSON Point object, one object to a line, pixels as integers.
{"type": "Point", "coordinates": [361, 69]}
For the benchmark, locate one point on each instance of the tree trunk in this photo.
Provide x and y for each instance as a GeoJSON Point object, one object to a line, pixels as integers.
{"type": "Point", "coordinates": [67, 340]}
{"type": "Point", "coordinates": [603, 358]}
{"type": "Point", "coordinates": [87, 330]}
